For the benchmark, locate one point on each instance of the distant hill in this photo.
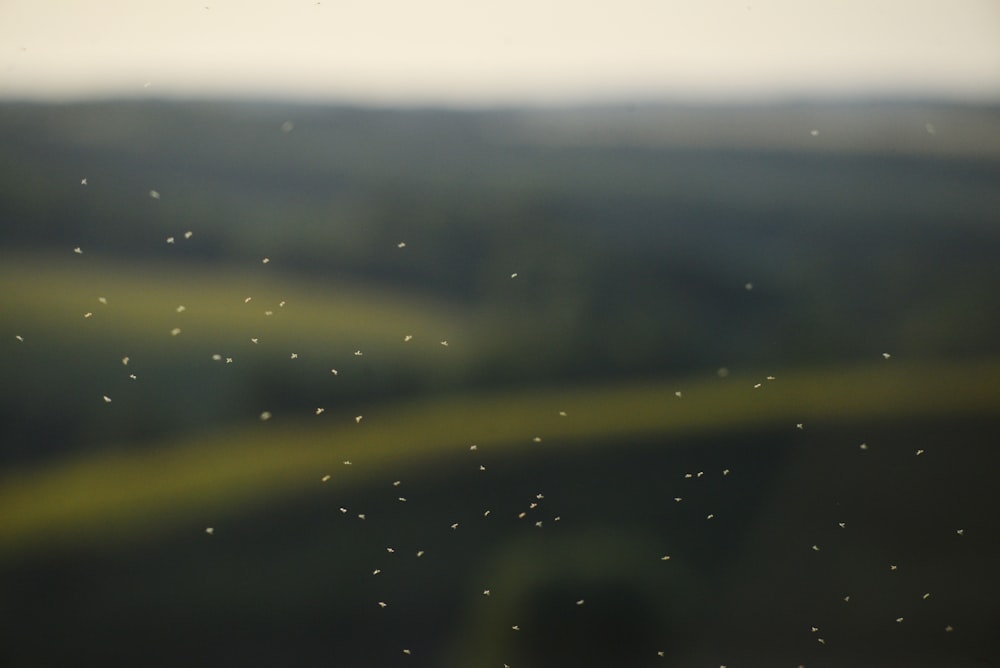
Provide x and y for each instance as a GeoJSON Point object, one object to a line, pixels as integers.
{"type": "Point", "coordinates": [571, 244]}
{"type": "Point", "coordinates": [620, 220]}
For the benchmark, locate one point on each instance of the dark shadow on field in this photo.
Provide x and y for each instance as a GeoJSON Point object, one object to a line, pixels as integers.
{"type": "Point", "coordinates": [295, 583]}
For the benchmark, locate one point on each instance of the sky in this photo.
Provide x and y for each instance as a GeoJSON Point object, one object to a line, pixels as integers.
{"type": "Point", "coordinates": [482, 53]}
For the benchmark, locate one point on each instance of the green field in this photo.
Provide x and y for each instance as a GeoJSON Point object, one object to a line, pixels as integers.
{"type": "Point", "coordinates": [656, 386]}
{"type": "Point", "coordinates": [115, 488]}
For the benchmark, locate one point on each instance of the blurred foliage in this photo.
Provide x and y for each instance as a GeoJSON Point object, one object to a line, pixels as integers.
{"type": "Point", "coordinates": [633, 234]}
{"type": "Point", "coordinates": [716, 247]}
{"type": "Point", "coordinates": [629, 240]}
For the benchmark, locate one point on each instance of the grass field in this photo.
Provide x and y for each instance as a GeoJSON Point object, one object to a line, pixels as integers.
{"type": "Point", "coordinates": [106, 496]}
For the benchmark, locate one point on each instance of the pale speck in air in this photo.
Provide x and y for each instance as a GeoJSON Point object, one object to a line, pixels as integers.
{"type": "Point", "coordinates": [899, 620]}
{"type": "Point", "coordinates": [537, 439]}
{"type": "Point", "coordinates": [514, 275]}
{"type": "Point", "coordinates": [893, 567]}
{"type": "Point", "coordinates": [580, 602]}
{"type": "Point", "coordinates": [87, 314]}
{"type": "Point", "coordinates": [665, 557]}
{"type": "Point", "coordinates": [710, 516]}
{"type": "Point", "coordinates": [175, 331]}
{"type": "Point", "coordinates": [919, 452]}
{"type": "Point", "coordinates": [83, 181]}
{"type": "Point", "coordinates": [390, 550]}
{"type": "Point", "coordinates": [516, 627]}
{"type": "Point", "coordinates": [748, 287]}
{"type": "Point", "coordinates": [358, 353]}
{"type": "Point", "coordinates": [333, 371]}
{"type": "Point", "coordinates": [229, 360]}
{"type": "Point", "coordinates": [444, 343]}
{"type": "Point", "coordinates": [814, 629]}
{"type": "Point", "coordinates": [820, 641]}
{"type": "Point", "coordinates": [254, 340]}
{"type": "Point", "coordinates": [188, 234]}
{"type": "Point", "coordinates": [886, 355]}
{"type": "Point", "coordinates": [688, 475]}
{"type": "Point", "coordinates": [347, 462]}
{"type": "Point", "coordinates": [562, 413]}
{"type": "Point", "coordinates": [701, 473]}
{"type": "Point", "coordinates": [295, 356]}
{"type": "Point", "coordinates": [382, 604]}
{"type": "Point", "coordinates": [107, 399]}
{"type": "Point", "coordinates": [132, 376]}
{"type": "Point", "coordinates": [420, 553]}
{"type": "Point", "coordinates": [125, 360]}
{"type": "Point", "coordinates": [358, 418]}
{"type": "Point", "coordinates": [361, 516]}
{"type": "Point", "coordinates": [814, 133]}
{"type": "Point", "coordinates": [401, 244]}
{"type": "Point", "coordinates": [401, 499]}
{"type": "Point", "coordinates": [19, 338]}
{"type": "Point", "coordinates": [406, 651]}
{"type": "Point", "coordinates": [181, 308]}
{"type": "Point", "coordinates": [268, 312]}
{"type": "Point", "coordinates": [486, 514]}
{"type": "Point", "coordinates": [265, 416]}
{"type": "Point", "coordinates": [815, 548]}
{"type": "Point", "coordinates": [326, 478]}
{"type": "Point", "coordinates": [247, 300]}
{"type": "Point", "coordinates": [486, 592]}
{"type": "Point", "coordinates": [103, 300]}
{"type": "Point", "coordinates": [556, 519]}
{"type": "Point", "coordinates": [757, 386]}
{"type": "Point", "coordinates": [170, 240]}
{"type": "Point", "coordinates": [287, 127]}
{"type": "Point", "coordinates": [78, 250]}
{"type": "Point", "coordinates": [395, 483]}
{"type": "Point", "coordinates": [342, 509]}
{"type": "Point", "coordinates": [929, 127]}
{"type": "Point", "coordinates": [847, 599]}
{"type": "Point", "coordinates": [538, 524]}
{"type": "Point", "coordinates": [678, 499]}
{"type": "Point", "coordinates": [926, 596]}
{"type": "Point", "coordinates": [771, 378]}
{"type": "Point", "coordinates": [408, 337]}
{"type": "Point", "coordinates": [863, 446]}
{"type": "Point", "coordinates": [661, 653]}
{"type": "Point", "coordinates": [800, 425]}
{"type": "Point", "coordinates": [842, 525]}
{"type": "Point", "coordinates": [265, 260]}
{"type": "Point", "coordinates": [678, 394]}
{"type": "Point", "coordinates": [961, 532]}
{"type": "Point", "coordinates": [217, 357]}
{"type": "Point", "coordinates": [281, 304]}
{"type": "Point", "coordinates": [482, 468]}
{"type": "Point", "coordinates": [210, 530]}
{"type": "Point", "coordinates": [319, 411]}
{"type": "Point", "coordinates": [725, 471]}
{"type": "Point", "coordinates": [154, 194]}
{"type": "Point", "coordinates": [473, 447]}
{"type": "Point", "coordinates": [455, 525]}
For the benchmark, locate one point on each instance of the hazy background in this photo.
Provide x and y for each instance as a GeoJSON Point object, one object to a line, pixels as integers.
{"type": "Point", "coordinates": [528, 334]}
{"type": "Point", "coordinates": [514, 52]}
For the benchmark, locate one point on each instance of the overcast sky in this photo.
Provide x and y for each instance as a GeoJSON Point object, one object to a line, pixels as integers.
{"type": "Point", "coordinates": [471, 52]}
